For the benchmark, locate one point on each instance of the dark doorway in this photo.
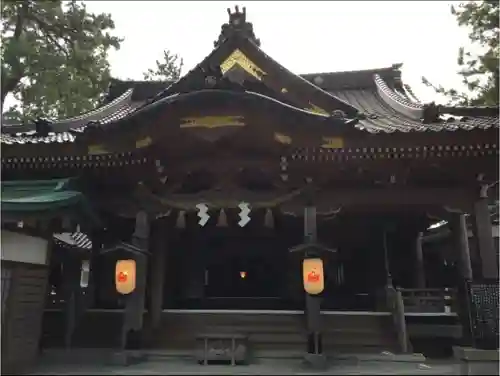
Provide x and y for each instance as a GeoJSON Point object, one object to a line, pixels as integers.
{"type": "Point", "coordinates": [243, 276]}
{"type": "Point", "coordinates": [247, 274]}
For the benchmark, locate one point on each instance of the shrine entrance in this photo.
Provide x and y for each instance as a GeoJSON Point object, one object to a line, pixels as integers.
{"type": "Point", "coordinates": [245, 273]}
{"type": "Point", "coordinates": [221, 269]}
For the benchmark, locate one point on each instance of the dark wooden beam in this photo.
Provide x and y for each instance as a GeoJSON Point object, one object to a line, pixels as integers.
{"type": "Point", "coordinates": [482, 229]}
{"type": "Point", "coordinates": [458, 225]}
{"type": "Point", "coordinates": [400, 196]}
{"type": "Point", "coordinates": [391, 199]}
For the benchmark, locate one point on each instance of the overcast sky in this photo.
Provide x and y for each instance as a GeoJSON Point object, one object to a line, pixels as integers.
{"type": "Point", "coordinates": [304, 36]}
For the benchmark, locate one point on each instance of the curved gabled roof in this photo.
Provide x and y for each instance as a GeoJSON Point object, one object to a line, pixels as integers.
{"type": "Point", "coordinates": [177, 107]}
{"type": "Point", "coordinates": [65, 130]}
{"type": "Point", "coordinates": [388, 109]}
{"type": "Point", "coordinates": [215, 98]}
{"type": "Point", "coordinates": [103, 114]}
{"type": "Point", "coordinates": [383, 102]}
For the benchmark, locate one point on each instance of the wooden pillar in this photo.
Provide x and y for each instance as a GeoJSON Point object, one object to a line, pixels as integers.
{"type": "Point", "coordinates": [310, 230]}
{"type": "Point", "coordinates": [419, 262]}
{"type": "Point", "coordinates": [71, 289]}
{"type": "Point", "coordinates": [387, 263]}
{"type": "Point", "coordinates": [313, 303]}
{"type": "Point", "coordinates": [135, 302]}
{"type": "Point", "coordinates": [484, 238]}
{"type": "Point", "coordinates": [458, 225]}
{"type": "Point", "coordinates": [157, 269]}
{"type": "Point", "coordinates": [94, 276]}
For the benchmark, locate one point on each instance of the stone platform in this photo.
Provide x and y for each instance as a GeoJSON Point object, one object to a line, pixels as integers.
{"type": "Point", "coordinates": [97, 361]}
{"type": "Point", "coordinates": [262, 367]}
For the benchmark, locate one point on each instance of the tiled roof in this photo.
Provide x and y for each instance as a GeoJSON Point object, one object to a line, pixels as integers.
{"type": "Point", "coordinates": [66, 130]}
{"type": "Point", "coordinates": [75, 239]}
{"type": "Point", "coordinates": [379, 94]}
{"type": "Point", "coordinates": [385, 103]}
{"type": "Point", "coordinates": [388, 110]}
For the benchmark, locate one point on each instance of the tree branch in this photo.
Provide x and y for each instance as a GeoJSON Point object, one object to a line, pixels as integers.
{"type": "Point", "coordinates": [9, 83]}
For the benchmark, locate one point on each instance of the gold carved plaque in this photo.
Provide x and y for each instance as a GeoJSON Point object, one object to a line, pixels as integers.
{"type": "Point", "coordinates": [282, 138]}
{"type": "Point", "coordinates": [211, 122]}
{"type": "Point", "coordinates": [139, 144]}
{"type": "Point", "coordinates": [333, 143]}
{"type": "Point", "coordinates": [97, 149]}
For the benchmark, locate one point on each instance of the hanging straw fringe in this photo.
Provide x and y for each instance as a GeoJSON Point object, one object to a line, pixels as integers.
{"type": "Point", "coordinates": [222, 221]}
{"type": "Point", "coordinates": [181, 219]}
{"type": "Point", "coordinates": [269, 219]}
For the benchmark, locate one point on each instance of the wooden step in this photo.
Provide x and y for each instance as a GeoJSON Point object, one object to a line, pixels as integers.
{"type": "Point", "coordinates": [271, 331]}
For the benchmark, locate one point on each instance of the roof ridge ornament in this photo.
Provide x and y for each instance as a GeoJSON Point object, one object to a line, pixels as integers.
{"type": "Point", "coordinates": [43, 126]}
{"type": "Point", "coordinates": [237, 26]}
{"type": "Point", "coordinates": [430, 113]}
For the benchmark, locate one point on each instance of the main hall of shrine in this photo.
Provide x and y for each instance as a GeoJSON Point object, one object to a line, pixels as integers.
{"type": "Point", "coordinates": [177, 209]}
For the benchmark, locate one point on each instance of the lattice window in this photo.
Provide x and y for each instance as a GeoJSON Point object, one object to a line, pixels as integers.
{"type": "Point", "coordinates": [6, 282]}
{"type": "Point", "coordinates": [484, 299]}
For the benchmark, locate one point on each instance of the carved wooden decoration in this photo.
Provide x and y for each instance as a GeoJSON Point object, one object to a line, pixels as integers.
{"type": "Point", "coordinates": [316, 109]}
{"type": "Point", "coordinates": [312, 274]}
{"type": "Point", "coordinates": [238, 58]}
{"type": "Point", "coordinates": [125, 276]}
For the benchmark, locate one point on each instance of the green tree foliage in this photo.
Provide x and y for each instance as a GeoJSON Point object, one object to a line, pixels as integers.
{"type": "Point", "coordinates": [168, 69]}
{"type": "Point", "coordinates": [479, 71]}
{"type": "Point", "coordinates": [54, 57]}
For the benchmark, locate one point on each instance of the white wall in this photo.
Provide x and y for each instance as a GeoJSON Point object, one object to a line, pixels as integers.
{"type": "Point", "coordinates": [23, 248]}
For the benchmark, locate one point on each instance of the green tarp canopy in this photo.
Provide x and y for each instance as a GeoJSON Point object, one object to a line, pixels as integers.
{"type": "Point", "coordinates": [41, 199]}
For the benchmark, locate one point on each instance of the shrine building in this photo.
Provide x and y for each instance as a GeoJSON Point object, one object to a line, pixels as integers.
{"type": "Point", "coordinates": [287, 213]}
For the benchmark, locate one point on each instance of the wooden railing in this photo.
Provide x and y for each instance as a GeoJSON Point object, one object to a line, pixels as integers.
{"type": "Point", "coordinates": [429, 300]}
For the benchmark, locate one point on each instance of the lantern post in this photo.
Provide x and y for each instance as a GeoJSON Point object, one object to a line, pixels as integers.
{"type": "Point", "coordinates": [130, 282]}
{"type": "Point", "coordinates": [313, 257]}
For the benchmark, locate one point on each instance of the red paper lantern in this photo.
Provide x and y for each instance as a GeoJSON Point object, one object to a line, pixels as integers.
{"type": "Point", "coordinates": [125, 276]}
{"type": "Point", "coordinates": [312, 272]}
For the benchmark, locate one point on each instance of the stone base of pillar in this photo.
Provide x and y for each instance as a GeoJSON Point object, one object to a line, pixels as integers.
{"type": "Point", "coordinates": [471, 361]}
{"type": "Point", "coordinates": [127, 358]}
{"type": "Point", "coordinates": [316, 361]}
